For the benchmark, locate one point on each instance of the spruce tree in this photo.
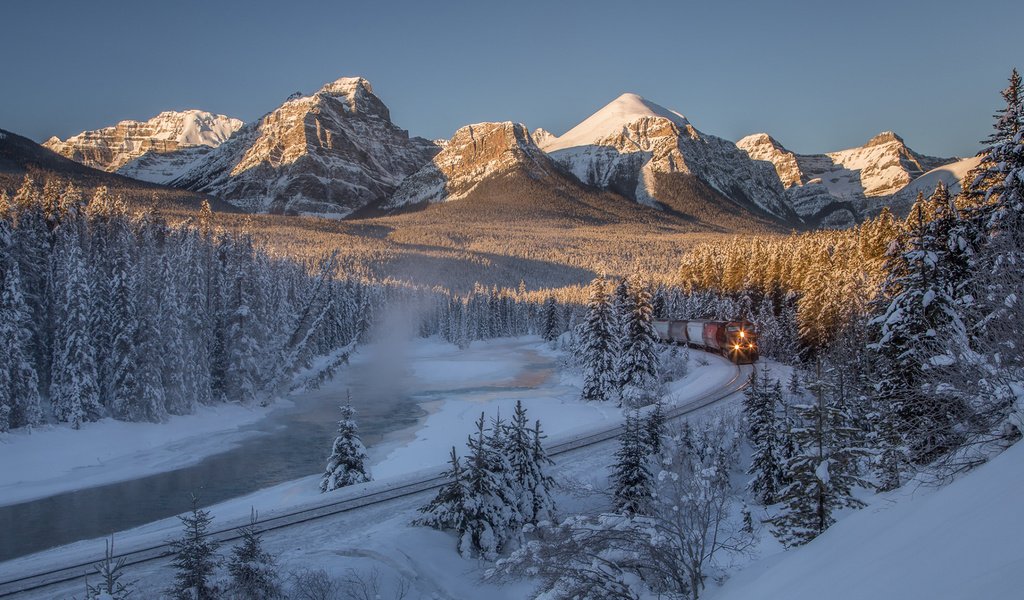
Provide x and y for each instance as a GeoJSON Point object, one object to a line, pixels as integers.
{"type": "Point", "coordinates": [823, 472]}
{"type": "Point", "coordinates": [527, 461]}
{"type": "Point", "coordinates": [551, 327]}
{"type": "Point", "coordinates": [632, 482]}
{"type": "Point", "coordinates": [654, 429]}
{"type": "Point", "coordinates": [451, 507]}
{"type": "Point", "coordinates": [253, 571]}
{"type": "Point", "coordinates": [638, 360]}
{"type": "Point", "coordinates": [600, 346]}
{"type": "Point", "coordinates": [760, 404]}
{"type": "Point", "coordinates": [347, 464]}
{"type": "Point", "coordinates": [111, 574]}
{"type": "Point", "coordinates": [74, 392]}
{"type": "Point", "coordinates": [195, 557]}
{"type": "Point", "coordinates": [19, 383]}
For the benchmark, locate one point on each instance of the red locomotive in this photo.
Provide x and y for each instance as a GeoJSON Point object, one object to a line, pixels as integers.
{"type": "Point", "coordinates": [735, 340]}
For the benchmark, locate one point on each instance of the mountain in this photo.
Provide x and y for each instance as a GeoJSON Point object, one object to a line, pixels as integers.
{"type": "Point", "coordinates": [330, 153]}
{"type": "Point", "coordinates": [951, 174]}
{"type": "Point", "coordinates": [146, 149]}
{"type": "Point", "coordinates": [20, 156]}
{"type": "Point", "coordinates": [658, 158]}
{"type": "Point", "coordinates": [839, 188]}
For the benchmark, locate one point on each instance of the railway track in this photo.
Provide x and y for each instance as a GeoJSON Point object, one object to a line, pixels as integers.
{"type": "Point", "coordinates": [41, 580]}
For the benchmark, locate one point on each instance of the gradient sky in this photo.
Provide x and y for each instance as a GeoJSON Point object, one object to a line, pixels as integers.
{"type": "Point", "coordinates": [816, 75]}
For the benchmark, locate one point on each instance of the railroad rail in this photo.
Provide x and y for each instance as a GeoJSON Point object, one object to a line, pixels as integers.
{"type": "Point", "coordinates": [40, 580]}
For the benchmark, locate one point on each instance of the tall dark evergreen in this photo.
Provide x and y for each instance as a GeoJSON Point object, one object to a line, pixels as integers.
{"type": "Point", "coordinates": [74, 391]}
{"type": "Point", "coordinates": [19, 383]}
{"type": "Point", "coordinates": [347, 464]}
{"type": "Point", "coordinates": [638, 360]}
{"type": "Point", "coordinates": [632, 481]}
{"type": "Point", "coordinates": [761, 401]}
{"type": "Point", "coordinates": [253, 571]}
{"type": "Point", "coordinates": [824, 471]}
{"type": "Point", "coordinates": [195, 558]}
{"type": "Point", "coordinates": [551, 324]}
{"type": "Point", "coordinates": [600, 346]}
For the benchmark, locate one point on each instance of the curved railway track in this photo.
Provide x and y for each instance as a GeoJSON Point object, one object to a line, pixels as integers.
{"type": "Point", "coordinates": [41, 580]}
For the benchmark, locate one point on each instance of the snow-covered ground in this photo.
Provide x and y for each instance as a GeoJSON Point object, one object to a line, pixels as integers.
{"type": "Point", "coordinates": [56, 458]}
{"type": "Point", "coordinates": [380, 537]}
{"type": "Point", "coordinates": [455, 386]}
{"type": "Point", "coordinates": [958, 542]}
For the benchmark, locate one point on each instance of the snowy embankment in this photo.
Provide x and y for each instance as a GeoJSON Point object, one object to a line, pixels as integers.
{"type": "Point", "coordinates": [55, 458]}
{"type": "Point", "coordinates": [381, 537]}
{"type": "Point", "coordinates": [958, 542]}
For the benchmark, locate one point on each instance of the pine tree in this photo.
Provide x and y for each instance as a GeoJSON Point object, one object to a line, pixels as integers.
{"type": "Point", "coordinates": [638, 360]}
{"type": "Point", "coordinates": [654, 429]}
{"type": "Point", "coordinates": [633, 484]}
{"type": "Point", "coordinates": [527, 461]}
{"type": "Point", "coordinates": [551, 328]}
{"type": "Point", "coordinates": [347, 464]}
{"type": "Point", "coordinates": [19, 384]}
{"type": "Point", "coordinates": [600, 346]}
{"type": "Point", "coordinates": [761, 400]}
{"type": "Point", "coordinates": [824, 471]}
{"type": "Point", "coordinates": [451, 507]}
{"type": "Point", "coordinates": [253, 571]}
{"type": "Point", "coordinates": [74, 392]}
{"type": "Point", "coordinates": [111, 572]}
{"type": "Point", "coordinates": [195, 557]}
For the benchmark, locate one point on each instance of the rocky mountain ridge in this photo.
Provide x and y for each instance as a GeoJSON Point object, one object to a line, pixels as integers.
{"type": "Point", "coordinates": [113, 148]}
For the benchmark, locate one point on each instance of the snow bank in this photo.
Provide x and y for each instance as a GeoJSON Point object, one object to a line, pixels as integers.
{"type": "Point", "coordinates": [962, 541]}
{"type": "Point", "coordinates": [56, 458]}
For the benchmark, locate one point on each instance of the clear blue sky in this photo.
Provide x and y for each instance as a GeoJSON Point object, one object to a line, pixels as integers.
{"type": "Point", "coordinates": [816, 75]}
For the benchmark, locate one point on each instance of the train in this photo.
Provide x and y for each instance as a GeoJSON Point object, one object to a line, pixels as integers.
{"type": "Point", "coordinates": [735, 340]}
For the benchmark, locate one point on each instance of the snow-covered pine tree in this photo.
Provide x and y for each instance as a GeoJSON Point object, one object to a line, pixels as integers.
{"type": "Point", "coordinates": [600, 346]}
{"type": "Point", "coordinates": [19, 384]}
{"type": "Point", "coordinates": [551, 327]}
{"type": "Point", "coordinates": [923, 309]}
{"type": "Point", "coordinates": [527, 461]}
{"type": "Point", "coordinates": [638, 359]}
{"type": "Point", "coordinates": [347, 464]}
{"type": "Point", "coordinates": [654, 429]}
{"type": "Point", "coordinates": [542, 483]}
{"type": "Point", "coordinates": [824, 470]}
{"type": "Point", "coordinates": [195, 557]}
{"type": "Point", "coordinates": [451, 507]}
{"type": "Point", "coordinates": [760, 404]}
{"type": "Point", "coordinates": [489, 516]}
{"type": "Point", "coordinates": [253, 571]}
{"type": "Point", "coordinates": [632, 482]}
{"type": "Point", "coordinates": [74, 392]}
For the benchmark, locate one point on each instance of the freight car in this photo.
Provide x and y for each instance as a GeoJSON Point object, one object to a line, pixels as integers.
{"type": "Point", "coordinates": [735, 340]}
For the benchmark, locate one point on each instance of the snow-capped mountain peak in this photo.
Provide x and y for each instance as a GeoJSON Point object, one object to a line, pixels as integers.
{"type": "Point", "coordinates": [111, 148]}
{"type": "Point", "coordinates": [610, 120]}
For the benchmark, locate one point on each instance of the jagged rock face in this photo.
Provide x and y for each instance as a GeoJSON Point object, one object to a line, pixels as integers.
{"type": "Point", "coordinates": [330, 153]}
{"type": "Point", "coordinates": [762, 146]}
{"type": "Point", "coordinates": [625, 144]}
{"type": "Point", "coordinates": [473, 154]}
{"type": "Point", "coordinates": [111, 148]}
{"type": "Point", "coordinates": [839, 188]}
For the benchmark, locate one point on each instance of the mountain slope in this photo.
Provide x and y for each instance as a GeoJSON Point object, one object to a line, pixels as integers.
{"type": "Point", "coordinates": [333, 152]}
{"type": "Point", "coordinates": [839, 188]}
{"type": "Point", "coordinates": [637, 148]}
{"type": "Point", "coordinates": [113, 148]}
{"type": "Point", "coordinates": [959, 542]}
{"type": "Point", "coordinates": [20, 156]}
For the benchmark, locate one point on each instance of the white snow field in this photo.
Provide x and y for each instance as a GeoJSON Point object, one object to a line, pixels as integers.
{"type": "Point", "coordinates": [958, 542]}
{"type": "Point", "coordinates": [489, 376]}
{"type": "Point", "coordinates": [55, 458]}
